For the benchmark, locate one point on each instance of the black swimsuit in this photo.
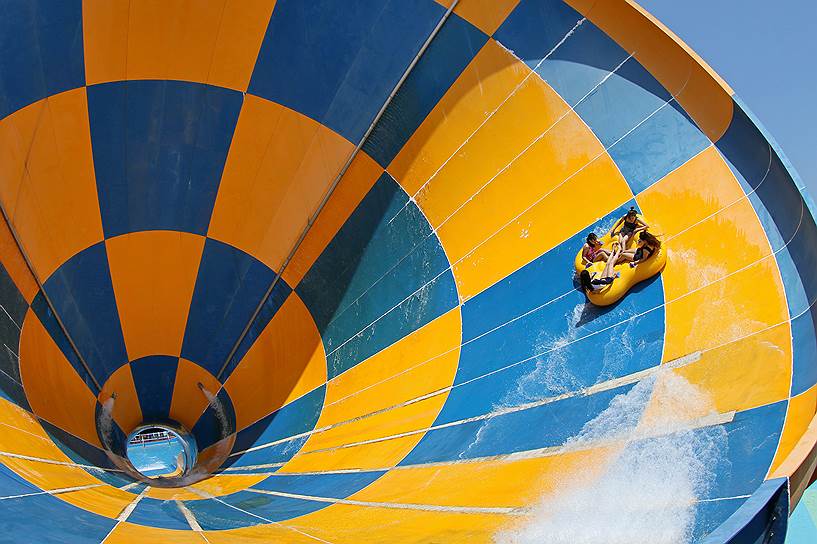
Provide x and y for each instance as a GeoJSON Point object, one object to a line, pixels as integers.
{"type": "Point", "coordinates": [628, 228]}
{"type": "Point", "coordinates": [639, 253]}
{"type": "Point", "coordinates": [597, 284]}
{"type": "Point", "coordinates": [603, 281]}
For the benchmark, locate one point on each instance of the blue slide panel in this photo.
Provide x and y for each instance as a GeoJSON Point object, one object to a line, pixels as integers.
{"type": "Point", "coordinates": [737, 453]}
{"type": "Point", "coordinates": [118, 479]}
{"type": "Point", "coordinates": [429, 302]}
{"type": "Point", "coordinates": [338, 486]}
{"type": "Point", "coordinates": [48, 520]}
{"type": "Point", "coordinates": [136, 489]}
{"type": "Point", "coordinates": [746, 150]}
{"type": "Point", "coordinates": [762, 518]}
{"type": "Point", "coordinates": [751, 443]}
{"type": "Point", "coordinates": [508, 433]}
{"type": "Point", "coordinates": [272, 304]}
{"type": "Point", "coordinates": [383, 230]}
{"type": "Point", "coordinates": [159, 152]}
{"type": "Point", "coordinates": [12, 485]}
{"type": "Point", "coordinates": [662, 143]}
{"type": "Point", "coordinates": [80, 451]}
{"type": "Point", "coordinates": [229, 288]}
{"type": "Point", "coordinates": [796, 296]}
{"type": "Point", "coordinates": [11, 322]}
{"type": "Point", "coordinates": [156, 513]}
{"type": "Point", "coordinates": [272, 508]}
{"type": "Point", "coordinates": [275, 455]}
{"type": "Point", "coordinates": [452, 49]}
{"type": "Point", "coordinates": [554, 364]}
{"type": "Point", "coordinates": [709, 515]}
{"type": "Point", "coordinates": [575, 62]}
{"type": "Point", "coordinates": [214, 515]}
{"type": "Point", "coordinates": [46, 317]}
{"type": "Point", "coordinates": [336, 61]}
{"type": "Point", "coordinates": [382, 276]}
{"type": "Point", "coordinates": [299, 416]}
{"type": "Point", "coordinates": [804, 371]}
{"type": "Point", "coordinates": [647, 133]}
{"type": "Point", "coordinates": [115, 437]}
{"type": "Point", "coordinates": [216, 423]}
{"type": "Point", "coordinates": [43, 52]}
{"type": "Point", "coordinates": [635, 93]}
{"type": "Point", "coordinates": [154, 377]}
{"type": "Point", "coordinates": [82, 294]}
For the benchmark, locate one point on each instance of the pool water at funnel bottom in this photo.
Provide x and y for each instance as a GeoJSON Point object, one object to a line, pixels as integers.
{"type": "Point", "coordinates": [157, 458]}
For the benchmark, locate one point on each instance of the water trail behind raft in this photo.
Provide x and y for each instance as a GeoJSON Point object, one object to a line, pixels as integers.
{"type": "Point", "coordinates": [105, 422]}
{"type": "Point", "coordinates": [647, 492]}
{"type": "Point", "coordinates": [215, 404]}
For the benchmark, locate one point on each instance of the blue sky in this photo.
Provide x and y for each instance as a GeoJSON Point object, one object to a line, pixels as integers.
{"type": "Point", "coordinates": [767, 51]}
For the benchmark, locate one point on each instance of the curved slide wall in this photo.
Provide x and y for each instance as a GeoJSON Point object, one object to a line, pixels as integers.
{"type": "Point", "coordinates": [414, 363]}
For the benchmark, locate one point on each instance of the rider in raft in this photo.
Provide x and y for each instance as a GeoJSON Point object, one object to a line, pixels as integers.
{"type": "Point", "coordinates": [592, 281]}
{"type": "Point", "coordinates": [626, 227]}
{"type": "Point", "coordinates": [648, 245]}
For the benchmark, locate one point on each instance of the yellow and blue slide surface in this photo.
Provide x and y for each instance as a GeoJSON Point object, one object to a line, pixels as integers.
{"type": "Point", "coordinates": [334, 241]}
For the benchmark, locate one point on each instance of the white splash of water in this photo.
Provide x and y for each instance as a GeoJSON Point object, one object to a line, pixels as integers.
{"type": "Point", "coordinates": [699, 271]}
{"type": "Point", "coordinates": [604, 225]}
{"type": "Point", "coordinates": [647, 492]}
{"type": "Point", "coordinates": [709, 322]}
{"type": "Point", "coordinates": [551, 375]}
{"type": "Point", "coordinates": [620, 350]}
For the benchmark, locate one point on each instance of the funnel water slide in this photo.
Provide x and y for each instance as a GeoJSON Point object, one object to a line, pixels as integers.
{"type": "Point", "coordinates": [330, 244]}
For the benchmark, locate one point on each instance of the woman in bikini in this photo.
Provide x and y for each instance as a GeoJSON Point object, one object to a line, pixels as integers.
{"type": "Point", "coordinates": [593, 281]}
{"type": "Point", "coordinates": [627, 227]}
{"type": "Point", "coordinates": [648, 245]}
{"type": "Point", "coordinates": [592, 251]}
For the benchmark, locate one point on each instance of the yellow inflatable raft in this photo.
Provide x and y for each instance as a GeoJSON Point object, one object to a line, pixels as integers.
{"type": "Point", "coordinates": [629, 275]}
